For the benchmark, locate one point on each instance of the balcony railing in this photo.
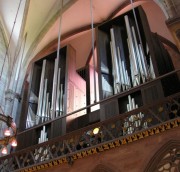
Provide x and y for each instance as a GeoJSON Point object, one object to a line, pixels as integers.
{"type": "Point", "coordinates": [114, 132]}
{"type": "Point", "coordinates": [118, 130]}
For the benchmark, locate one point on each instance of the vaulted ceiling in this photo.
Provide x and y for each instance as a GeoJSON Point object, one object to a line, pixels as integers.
{"type": "Point", "coordinates": [39, 19]}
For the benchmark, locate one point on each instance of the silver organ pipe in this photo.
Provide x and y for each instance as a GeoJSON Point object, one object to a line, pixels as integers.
{"type": "Point", "coordinates": [138, 56]}
{"type": "Point", "coordinates": [114, 72]}
{"type": "Point", "coordinates": [121, 70]}
{"type": "Point", "coordinates": [151, 69]}
{"type": "Point", "coordinates": [54, 92]}
{"type": "Point", "coordinates": [140, 71]}
{"type": "Point", "coordinates": [117, 82]}
{"type": "Point", "coordinates": [46, 111]}
{"type": "Point", "coordinates": [58, 92]}
{"type": "Point", "coordinates": [120, 74]}
{"type": "Point", "coordinates": [134, 121]}
{"type": "Point", "coordinates": [44, 102]}
{"type": "Point", "coordinates": [61, 101]}
{"type": "Point", "coordinates": [131, 46]}
{"type": "Point", "coordinates": [49, 110]}
{"type": "Point", "coordinates": [57, 95]}
{"type": "Point", "coordinates": [40, 153]}
{"type": "Point", "coordinates": [144, 63]}
{"type": "Point", "coordinates": [40, 97]}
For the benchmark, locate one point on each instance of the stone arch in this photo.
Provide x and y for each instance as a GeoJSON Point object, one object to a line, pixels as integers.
{"type": "Point", "coordinates": [167, 158]}
{"type": "Point", "coordinates": [102, 168]}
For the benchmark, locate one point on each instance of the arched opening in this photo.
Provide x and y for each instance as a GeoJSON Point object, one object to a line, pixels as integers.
{"type": "Point", "coordinates": [167, 158]}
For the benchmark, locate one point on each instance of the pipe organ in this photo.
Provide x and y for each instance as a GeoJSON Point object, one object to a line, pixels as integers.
{"type": "Point", "coordinates": [131, 63]}
{"type": "Point", "coordinates": [45, 108]}
{"type": "Point", "coordinates": [40, 153]}
{"type": "Point", "coordinates": [129, 56]}
{"type": "Point", "coordinates": [49, 91]}
{"type": "Point", "coordinates": [126, 62]}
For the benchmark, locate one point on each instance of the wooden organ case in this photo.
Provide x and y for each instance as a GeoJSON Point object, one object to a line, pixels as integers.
{"type": "Point", "coordinates": [129, 59]}
{"type": "Point", "coordinates": [129, 56]}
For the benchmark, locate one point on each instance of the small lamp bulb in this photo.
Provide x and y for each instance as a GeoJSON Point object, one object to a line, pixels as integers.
{"type": "Point", "coordinates": [7, 132]}
{"type": "Point", "coordinates": [4, 150]}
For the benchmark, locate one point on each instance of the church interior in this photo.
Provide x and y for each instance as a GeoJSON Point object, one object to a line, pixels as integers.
{"type": "Point", "coordinates": [90, 85]}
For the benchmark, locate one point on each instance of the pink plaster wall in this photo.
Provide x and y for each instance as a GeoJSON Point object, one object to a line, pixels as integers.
{"type": "Point", "coordinates": [157, 20]}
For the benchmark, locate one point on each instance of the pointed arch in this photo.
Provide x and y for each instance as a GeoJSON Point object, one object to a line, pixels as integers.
{"type": "Point", "coordinates": [166, 158]}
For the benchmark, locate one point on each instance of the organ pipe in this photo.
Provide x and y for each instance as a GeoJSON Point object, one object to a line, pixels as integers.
{"type": "Point", "coordinates": [121, 78]}
{"type": "Point", "coordinates": [134, 121]}
{"type": "Point", "coordinates": [46, 111]}
{"type": "Point", "coordinates": [138, 56]}
{"type": "Point", "coordinates": [40, 97]}
{"type": "Point", "coordinates": [140, 71]}
{"type": "Point", "coordinates": [54, 92]}
{"type": "Point", "coordinates": [61, 100]}
{"type": "Point", "coordinates": [40, 153]}
{"type": "Point", "coordinates": [58, 92]}
{"type": "Point", "coordinates": [44, 102]}
{"type": "Point", "coordinates": [131, 47]}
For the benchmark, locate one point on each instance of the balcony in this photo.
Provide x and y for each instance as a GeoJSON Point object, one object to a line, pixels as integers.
{"type": "Point", "coordinates": [118, 130]}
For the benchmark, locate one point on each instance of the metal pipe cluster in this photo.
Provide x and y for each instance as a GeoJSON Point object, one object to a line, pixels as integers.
{"type": "Point", "coordinates": [134, 121]}
{"type": "Point", "coordinates": [40, 153]}
{"type": "Point", "coordinates": [47, 110]}
{"type": "Point", "coordinates": [139, 69]}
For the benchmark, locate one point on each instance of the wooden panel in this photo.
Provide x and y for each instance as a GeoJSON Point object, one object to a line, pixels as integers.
{"type": "Point", "coordinates": [57, 128]}
{"type": "Point", "coordinates": [109, 109]}
{"type": "Point", "coordinates": [152, 93]}
{"type": "Point", "coordinates": [29, 139]}
{"type": "Point", "coordinates": [94, 116]}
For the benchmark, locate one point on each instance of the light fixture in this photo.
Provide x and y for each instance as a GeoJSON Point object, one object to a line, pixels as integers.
{"type": "Point", "coordinates": [4, 150]}
{"type": "Point", "coordinates": [10, 132]}
{"type": "Point", "coordinates": [7, 132]}
{"type": "Point", "coordinates": [96, 130]}
{"type": "Point", "coordinates": [13, 142]}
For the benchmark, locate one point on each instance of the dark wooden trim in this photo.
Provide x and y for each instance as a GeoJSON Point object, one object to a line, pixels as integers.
{"type": "Point", "coordinates": [121, 6]}
{"type": "Point", "coordinates": [90, 55]}
{"type": "Point", "coordinates": [169, 43]}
